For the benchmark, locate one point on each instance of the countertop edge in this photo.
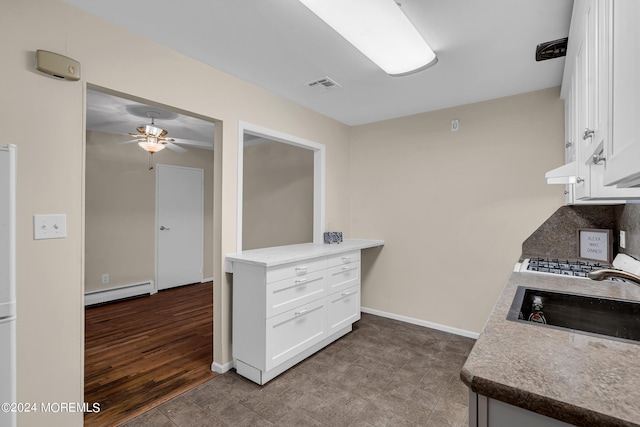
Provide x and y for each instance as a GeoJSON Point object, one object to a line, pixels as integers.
{"type": "Point", "coordinates": [539, 404]}
{"type": "Point", "coordinates": [280, 255]}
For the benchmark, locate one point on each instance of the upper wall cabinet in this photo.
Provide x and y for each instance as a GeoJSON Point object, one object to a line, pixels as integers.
{"type": "Point", "coordinates": [622, 165]}
{"type": "Point", "coordinates": [591, 82]}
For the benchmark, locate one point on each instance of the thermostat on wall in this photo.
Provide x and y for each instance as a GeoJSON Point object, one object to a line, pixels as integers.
{"type": "Point", "coordinates": [57, 65]}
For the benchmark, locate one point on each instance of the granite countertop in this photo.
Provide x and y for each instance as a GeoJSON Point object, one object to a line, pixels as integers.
{"type": "Point", "coordinates": [278, 255]}
{"type": "Point", "coordinates": [576, 378]}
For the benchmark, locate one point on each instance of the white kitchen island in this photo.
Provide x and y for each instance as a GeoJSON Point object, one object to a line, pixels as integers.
{"type": "Point", "coordinates": [291, 301]}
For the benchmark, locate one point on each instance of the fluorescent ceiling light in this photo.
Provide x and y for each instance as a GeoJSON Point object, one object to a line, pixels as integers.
{"type": "Point", "coordinates": [380, 30]}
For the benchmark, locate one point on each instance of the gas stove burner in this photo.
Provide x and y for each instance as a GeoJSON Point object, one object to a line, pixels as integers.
{"type": "Point", "coordinates": [575, 268]}
{"type": "Point", "coordinates": [566, 267]}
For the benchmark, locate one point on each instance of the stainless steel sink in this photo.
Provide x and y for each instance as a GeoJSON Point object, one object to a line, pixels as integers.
{"type": "Point", "coordinates": [606, 317]}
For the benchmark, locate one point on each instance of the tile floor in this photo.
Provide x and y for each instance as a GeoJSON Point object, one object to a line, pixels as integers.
{"type": "Point", "coordinates": [384, 373]}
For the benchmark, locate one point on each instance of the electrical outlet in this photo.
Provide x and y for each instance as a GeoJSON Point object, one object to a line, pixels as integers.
{"type": "Point", "coordinates": [49, 226]}
{"type": "Point", "coordinates": [105, 278]}
{"type": "Point", "coordinates": [623, 239]}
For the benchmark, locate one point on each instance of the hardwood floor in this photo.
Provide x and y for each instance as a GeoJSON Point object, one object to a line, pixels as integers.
{"type": "Point", "coordinates": [141, 352]}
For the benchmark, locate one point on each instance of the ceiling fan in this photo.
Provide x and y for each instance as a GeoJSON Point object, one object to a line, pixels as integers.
{"type": "Point", "coordinates": [152, 138]}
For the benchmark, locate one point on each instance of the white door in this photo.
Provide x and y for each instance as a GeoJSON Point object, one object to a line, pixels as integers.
{"type": "Point", "coordinates": [179, 225]}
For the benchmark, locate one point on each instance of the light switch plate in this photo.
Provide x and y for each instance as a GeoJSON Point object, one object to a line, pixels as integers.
{"type": "Point", "coordinates": [49, 226]}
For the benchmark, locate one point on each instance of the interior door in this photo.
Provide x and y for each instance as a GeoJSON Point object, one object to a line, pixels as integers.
{"type": "Point", "coordinates": [179, 225]}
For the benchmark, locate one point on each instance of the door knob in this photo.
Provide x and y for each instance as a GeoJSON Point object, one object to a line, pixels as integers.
{"type": "Point", "coordinates": [162, 227]}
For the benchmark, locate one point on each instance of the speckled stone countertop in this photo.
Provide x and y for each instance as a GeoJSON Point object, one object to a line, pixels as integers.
{"type": "Point", "coordinates": [576, 378]}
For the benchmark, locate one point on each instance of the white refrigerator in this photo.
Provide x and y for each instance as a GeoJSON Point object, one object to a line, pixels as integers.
{"type": "Point", "coordinates": [7, 285]}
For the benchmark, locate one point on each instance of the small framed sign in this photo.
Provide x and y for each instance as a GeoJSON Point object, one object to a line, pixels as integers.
{"type": "Point", "coordinates": [595, 244]}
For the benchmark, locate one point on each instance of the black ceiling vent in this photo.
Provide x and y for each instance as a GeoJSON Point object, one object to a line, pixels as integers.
{"type": "Point", "coordinates": [552, 49]}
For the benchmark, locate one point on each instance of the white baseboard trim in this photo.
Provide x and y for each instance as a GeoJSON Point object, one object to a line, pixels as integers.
{"type": "Point", "coordinates": [221, 369]}
{"type": "Point", "coordinates": [120, 292]}
{"type": "Point", "coordinates": [207, 279]}
{"type": "Point", "coordinates": [419, 322]}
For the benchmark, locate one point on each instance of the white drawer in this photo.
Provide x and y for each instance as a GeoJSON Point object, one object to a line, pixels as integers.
{"type": "Point", "coordinates": [343, 276]}
{"type": "Point", "coordinates": [344, 308]}
{"type": "Point", "coordinates": [343, 258]}
{"type": "Point", "coordinates": [287, 294]}
{"type": "Point", "coordinates": [294, 331]}
{"type": "Point", "coordinates": [295, 269]}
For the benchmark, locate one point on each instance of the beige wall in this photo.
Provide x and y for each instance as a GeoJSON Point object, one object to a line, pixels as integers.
{"type": "Point", "coordinates": [453, 207]}
{"type": "Point", "coordinates": [43, 116]}
{"type": "Point", "coordinates": [277, 207]}
{"type": "Point", "coordinates": [120, 209]}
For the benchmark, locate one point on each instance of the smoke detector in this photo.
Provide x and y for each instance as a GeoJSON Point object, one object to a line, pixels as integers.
{"type": "Point", "coordinates": [323, 84]}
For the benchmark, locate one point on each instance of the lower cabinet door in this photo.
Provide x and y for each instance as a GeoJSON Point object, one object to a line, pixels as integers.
{"type": "Point", "coordinates": [487, 412]}
{"type": "Point", "coordinates": [294, 331]}
{"type": "Point", "coordinates": [344, 308]}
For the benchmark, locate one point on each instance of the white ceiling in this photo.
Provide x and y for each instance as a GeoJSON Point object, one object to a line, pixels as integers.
{"type": "Point", "coordinates": [113, 114]}
{"type": "Point", "coordinates": [485, 50]}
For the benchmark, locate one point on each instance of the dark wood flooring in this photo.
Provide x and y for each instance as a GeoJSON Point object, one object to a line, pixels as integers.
{"type": "Point", "coordinates": [141, 352]}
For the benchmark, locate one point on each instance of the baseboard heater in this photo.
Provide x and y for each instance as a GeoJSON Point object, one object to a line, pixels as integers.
{"type": "Point", "coordinates": [121, 292]}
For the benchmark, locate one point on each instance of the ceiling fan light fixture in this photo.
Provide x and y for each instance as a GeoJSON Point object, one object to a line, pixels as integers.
{"type": "Point", "coordinates": [150, 137]}
{"type": "Point", "coordinates": [380, 30]}
{"type": "Point", "coordinates": [151, 145]}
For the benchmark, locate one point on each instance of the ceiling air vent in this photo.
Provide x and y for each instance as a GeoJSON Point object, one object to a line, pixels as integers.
{"type": "Point", "coordinates": [552, 49]}
{"type": "Point", "coordinates": [323, 84]}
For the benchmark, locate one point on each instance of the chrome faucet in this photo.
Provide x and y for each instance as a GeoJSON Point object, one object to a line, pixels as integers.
{"type": "Point", "coordinates": [606, 273]}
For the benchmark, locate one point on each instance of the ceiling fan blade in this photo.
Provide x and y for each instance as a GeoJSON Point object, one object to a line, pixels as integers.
{"type": "Point", "coordinates": [105, 125]}
{"type": "Point", "coordinates": [127, 142]}
{"type": "Point", "coordinates": [175, 147]}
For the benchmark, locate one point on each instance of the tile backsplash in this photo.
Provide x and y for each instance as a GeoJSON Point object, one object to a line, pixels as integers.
{"type": "Point", "coordinates": [557, 236]}
{"type": "Point", "coordinates": [628, 219]}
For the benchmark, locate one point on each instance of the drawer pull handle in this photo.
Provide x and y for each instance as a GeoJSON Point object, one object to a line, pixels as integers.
{"type": "Point", "coordinates": [597, 158]}
{"type": "Point", "coordinates": [301, 269]}
{"type": "Point", "coordinates": [301, 312]}
{"type": "Point", "coordinates": [346, 259]}
{"type": "Point", "coordinates": [348, 268]}
{"type": "Point", "coordinates": [300, 281]}
{"type": "Point", "coordinates": [346, 294]}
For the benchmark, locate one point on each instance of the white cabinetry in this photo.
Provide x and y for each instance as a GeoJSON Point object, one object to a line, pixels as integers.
{"type": "Point", "coordinates": [487, 412]}
{"type": "Point", "coordinates": [590, 95]}
{"type": "Point", "coordinates": [343, 287]}
{"type": "Point", "coordinates": [622, 166]}
{"type": "Point", "coordinates": [291, 301]}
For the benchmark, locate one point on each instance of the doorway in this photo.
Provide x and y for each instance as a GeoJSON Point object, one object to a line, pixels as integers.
{"type": "Point", "coordinates": [179, 225]}
{"type": "Point", "coordinates": [120, 231]}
